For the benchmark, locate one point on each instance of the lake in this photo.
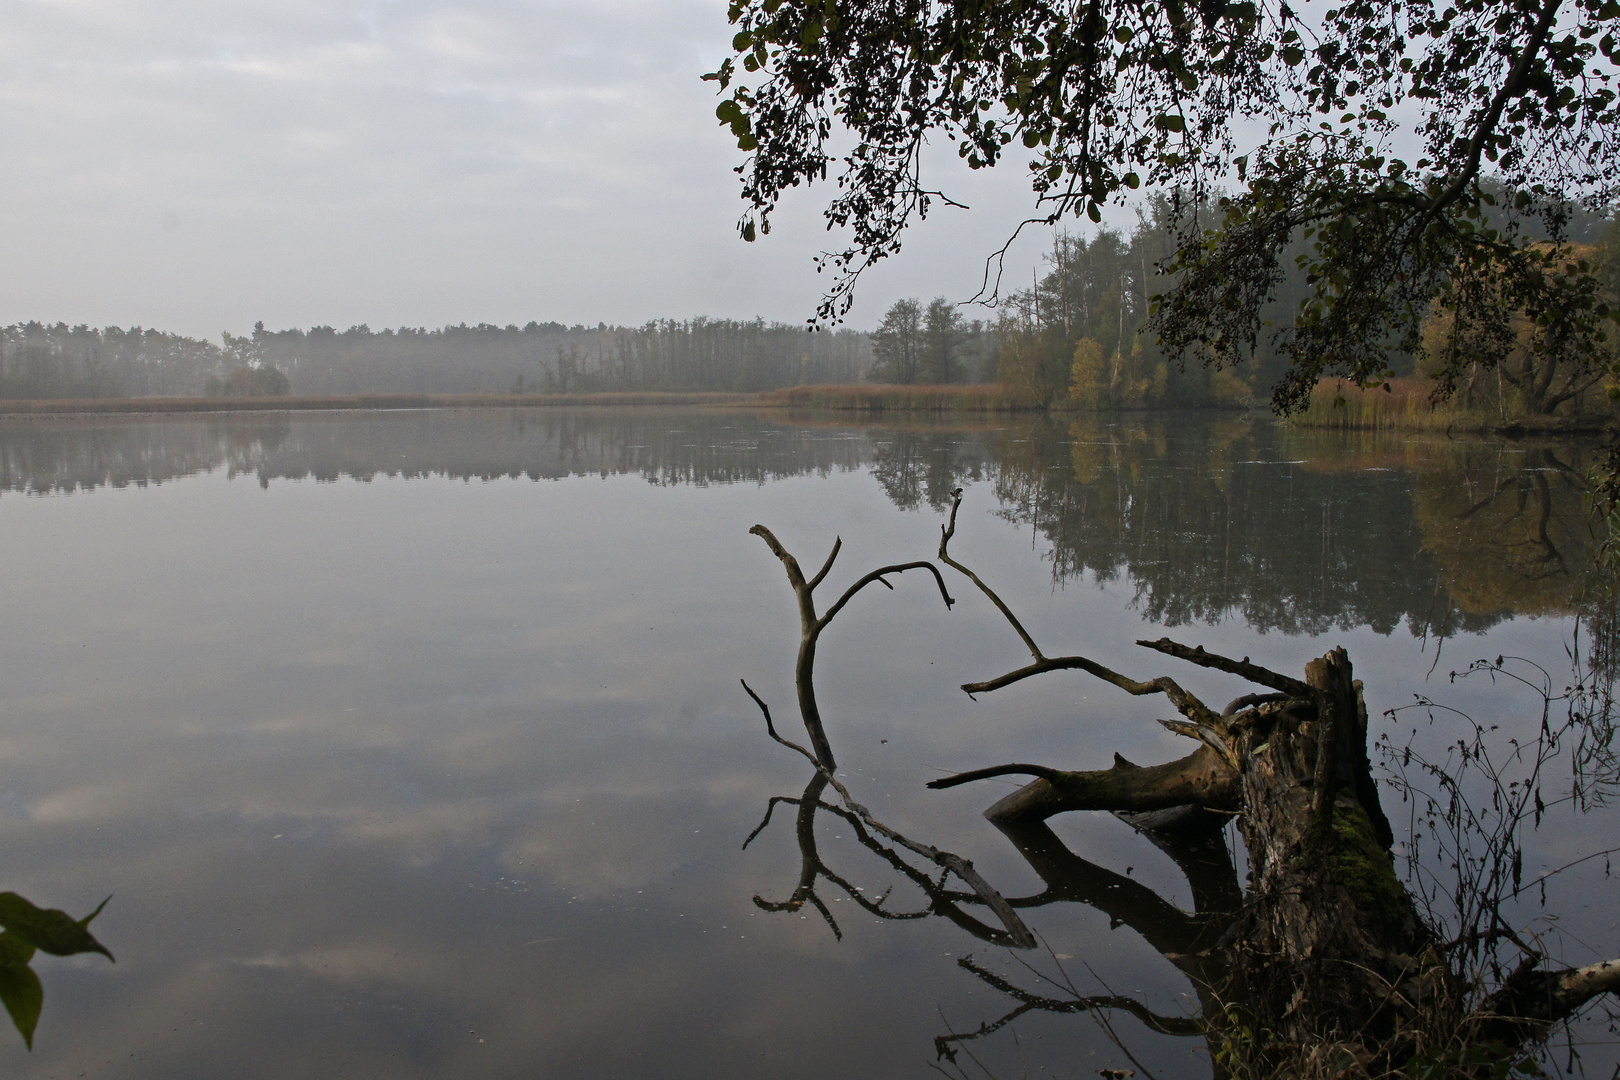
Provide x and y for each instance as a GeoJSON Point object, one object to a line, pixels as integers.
{"type": "Point", "coordinates": [412, 744]}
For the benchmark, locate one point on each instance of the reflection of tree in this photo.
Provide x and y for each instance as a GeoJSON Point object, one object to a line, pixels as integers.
{"type": "Point", "coordinates": [664, 447]}
{"type": "Point", "coordinates": [1206, 517]}
{"type": "Point", "coordinates": [918, 466]}
{"type": "Point", "coordinates": [1209, 519]}
{"type": "Point", "coordinates": [1507, 528]}
{"type": "Point", "coordinates": [29, 929]}
{"type": "Point", "coordinates": [1303, 531]}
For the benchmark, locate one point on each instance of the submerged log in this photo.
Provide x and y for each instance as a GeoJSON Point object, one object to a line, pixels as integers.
{"type": "Point", "coordinates": [1328, 968]}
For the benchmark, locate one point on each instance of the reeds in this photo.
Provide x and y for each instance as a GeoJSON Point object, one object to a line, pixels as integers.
{"type": "Point", "coordinates": [877, 398]}
{"type": "Point", "coordinates": [1407, 404]}
{"type": "Point", "coordinates": [1398, 405]}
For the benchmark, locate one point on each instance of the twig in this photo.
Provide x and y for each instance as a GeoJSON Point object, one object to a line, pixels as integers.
{"type": "Point", "coordinates": [945, 534]}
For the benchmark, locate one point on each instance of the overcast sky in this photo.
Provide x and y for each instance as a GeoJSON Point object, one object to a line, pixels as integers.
{"type": "Point", "coordinates": [197, 165]}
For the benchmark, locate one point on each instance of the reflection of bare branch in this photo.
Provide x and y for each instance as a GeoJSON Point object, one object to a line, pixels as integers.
{"type": "Point", "coordinates": [1186, 940]}
{"type": "Point", "coordinates": [941, 901]}
{"type": "Point", "coordinates": [950, 861]}
{"type": "Point", "coordinates": [1180, 937]}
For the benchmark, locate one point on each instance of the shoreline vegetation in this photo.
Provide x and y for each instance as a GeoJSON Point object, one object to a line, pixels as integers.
{"type": "Point", "coordinates": [344, 402]}
{"type": "Point", "coordinates": [1405, 405]}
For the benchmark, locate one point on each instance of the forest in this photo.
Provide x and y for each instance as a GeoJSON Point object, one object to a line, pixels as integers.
{"type": "Point", "coordinates": [60, 361]}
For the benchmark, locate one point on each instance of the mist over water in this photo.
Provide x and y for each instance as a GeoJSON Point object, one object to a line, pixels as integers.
{"type": "Point", "coordinates": [411, 744]}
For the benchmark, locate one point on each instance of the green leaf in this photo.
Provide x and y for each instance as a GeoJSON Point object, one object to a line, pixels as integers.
{"type": "Point", "coordinates": [53, 931]}
{"type": "Point", "coordinates": [1123, 35]}
{"type": "Point", "coordinates": [1292, 55]}
{"type": "Point", "coordinates": [727, 111]}
{"type": "Point", "coordinates": [1131, 180]}
{"type": "Point", "coordinates": [23, 997]}
{"type": "Point", "coordinates": [1169, 122]}
{"type": "Point", "coordinates": [14, 950]}
{"type": "Point", "coordinates": [743, 41]}
{"type": "Point", "coordinates": [748, 142]}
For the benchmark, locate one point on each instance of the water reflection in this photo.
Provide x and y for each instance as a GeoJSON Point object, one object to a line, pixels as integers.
{"type": "Point", "coordinates": [1306, 532]}
{"type": "Point", "coordinates": [1300, 532]}
{"type": "Point", "coordinates": [334, 721]}
{"type": "Point", "coordinates": [1196, 844]}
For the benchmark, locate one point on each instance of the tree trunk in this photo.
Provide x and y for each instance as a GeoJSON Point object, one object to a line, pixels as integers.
{"type": "Point", "coordinates": [1327, 968]}
{"type": "Point", "coordinates": [1329, 952]}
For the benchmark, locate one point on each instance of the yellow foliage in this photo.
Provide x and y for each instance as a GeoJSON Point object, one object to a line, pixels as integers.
{"type": "Point", "coordinates": [1088, 378]}
{"type": "Point", "coordinates": [1226, 388]}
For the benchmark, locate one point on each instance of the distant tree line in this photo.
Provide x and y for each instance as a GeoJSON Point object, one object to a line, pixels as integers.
{"type": "Point", "coordinates": [663, 355]}
{"type": "Point", "coordinates": [43, 361]}
{"type": "Point", "coordinates": [57, 361]}
{"type": "Point", "coordinates": [1076, 336]}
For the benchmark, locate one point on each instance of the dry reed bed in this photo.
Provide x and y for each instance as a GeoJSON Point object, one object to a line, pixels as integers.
{"type": "Point", "coordinates": [876, 398]}
{"type": "Point", "coordinates": [1406, 404]}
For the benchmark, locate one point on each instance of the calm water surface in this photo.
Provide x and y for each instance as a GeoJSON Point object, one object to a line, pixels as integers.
{"type": "Point", "coordinates": [412, 744]}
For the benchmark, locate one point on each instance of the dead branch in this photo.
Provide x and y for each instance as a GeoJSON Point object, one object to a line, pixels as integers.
{"type": "Point", "coordinates": [811, 625]}
{"type": "Point", "coordinates": [945, 534]}
{"type": "Point", "coordinates": [1253, 672]}
{"type": "Point", "coordinates": [1207, 726]}
{"type": "Point", "coordinates": [1202, 778]}
{"type": "Point", "coordinates": [1531, 1000]}
{"type": "Point", "coordinates": [971, 775]}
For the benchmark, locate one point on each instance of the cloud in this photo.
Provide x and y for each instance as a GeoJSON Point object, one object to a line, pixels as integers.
{"type": "Point", "coordinates": [201, 166]}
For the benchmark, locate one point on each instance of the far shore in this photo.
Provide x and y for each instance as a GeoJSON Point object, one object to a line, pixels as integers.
{"type": "Point", "coordinates": [863, 397]}
{"type": "Point", "coordinates": [1407, 409]}
{"type": "Point", "coordinates": [370, 402]}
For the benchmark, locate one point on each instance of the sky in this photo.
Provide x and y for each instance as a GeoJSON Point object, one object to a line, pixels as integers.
{"type": "Point", "coordinates": [197, 166]}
